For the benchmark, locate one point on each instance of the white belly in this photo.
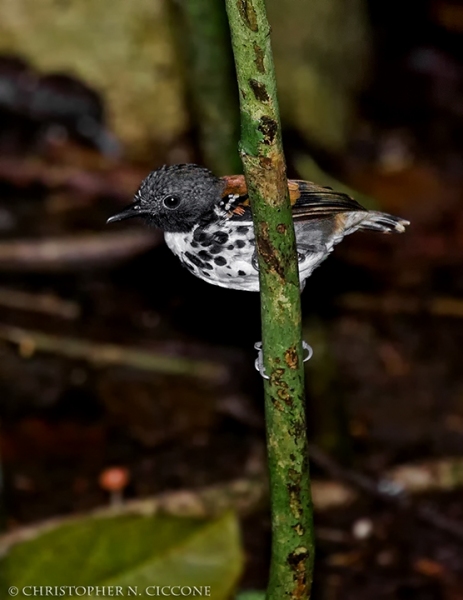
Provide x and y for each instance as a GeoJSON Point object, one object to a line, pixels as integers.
{"type": "Point", "coordinates": [230, 264]}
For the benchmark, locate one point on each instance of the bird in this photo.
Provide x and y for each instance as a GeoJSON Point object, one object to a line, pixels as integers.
{"type": "Point", "coordinates": [207, 222]}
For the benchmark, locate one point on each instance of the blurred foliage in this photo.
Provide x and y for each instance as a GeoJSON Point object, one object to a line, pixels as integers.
{"type": "Point", "coordinates": [126, 51]}
{"type": "Point", "coordinates": [251, 595]}
{"type": "Point", "coordinates": [130, 550]}
{"type": "Point", "coordinates": [321, 56]}
{"type": "Point", "coordinates": [210, 76]}
{"type": "Point", "coordinates": [123, 49]}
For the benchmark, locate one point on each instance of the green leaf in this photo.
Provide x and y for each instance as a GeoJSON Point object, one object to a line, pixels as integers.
{"type": "Point", "coordinates": [130, 550]}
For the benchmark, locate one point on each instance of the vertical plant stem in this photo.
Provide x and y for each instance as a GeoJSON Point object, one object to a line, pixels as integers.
{"type": "Point", "coordinates": [211, 80]}
{"type": "Point", "coordinates": [265, 171]}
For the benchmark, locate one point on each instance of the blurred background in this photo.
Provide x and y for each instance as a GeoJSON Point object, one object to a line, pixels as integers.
{"type": "Point", "coordinates": [112, 356]}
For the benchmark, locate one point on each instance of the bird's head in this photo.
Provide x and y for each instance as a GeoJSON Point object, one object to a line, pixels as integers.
{"type": "Point", "coordinates": [174, 198]}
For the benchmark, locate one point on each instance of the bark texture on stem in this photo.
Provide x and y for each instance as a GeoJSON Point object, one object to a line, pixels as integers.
{"type": "Point", "coordinates": [265, 171]}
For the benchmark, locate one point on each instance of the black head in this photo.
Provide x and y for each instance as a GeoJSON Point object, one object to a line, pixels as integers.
{"type": "Point", "coordinates": [175, 198]}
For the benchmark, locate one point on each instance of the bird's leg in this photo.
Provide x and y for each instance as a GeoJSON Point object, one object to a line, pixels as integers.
{"type": "Point", "coordinates": [254, 261]}
{"type": "Point", "coordinates": [259, 362]}
{"type": "Point", "coordinates": [308, 349]}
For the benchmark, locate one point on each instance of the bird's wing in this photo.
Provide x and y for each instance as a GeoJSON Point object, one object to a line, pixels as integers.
{"type": "Point", "coordinates": [308, 200]}
{"type": "Point", "coordinates": [317, 201]}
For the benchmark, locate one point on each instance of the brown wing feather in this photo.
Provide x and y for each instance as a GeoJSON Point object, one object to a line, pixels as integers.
{"type": "Point", "coordinates": [308, 199]}
{"type": "Point", "coordinates": [318, 201]}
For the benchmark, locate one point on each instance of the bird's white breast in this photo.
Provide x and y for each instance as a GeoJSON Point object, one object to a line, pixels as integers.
{"type": "Point", "coordinates": [227, 264]}
{"type": "Point", "coordinates": [231, 263]}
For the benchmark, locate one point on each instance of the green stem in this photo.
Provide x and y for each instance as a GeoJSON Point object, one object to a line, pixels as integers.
{"type": "Point", "coordinates": [265, 171]}
{"type": "Point", "coordinates": [212, 87]}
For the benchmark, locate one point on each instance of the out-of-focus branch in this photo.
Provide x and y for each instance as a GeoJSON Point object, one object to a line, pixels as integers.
{"type": "Point", "coordinates": [119, 181]}
{"type": "Point", "coordinates": [394, 304]}
{"type": "Point", "coordinates": [390, 490]}
{"type": "Point", "coordinates": [77, 251]}
{"type": "Point", "coordinates": [243, 496]}
{"type": "Point", "coordinates": [43, 303]}
{"type": "Point", "coordinates": [105, 355]}
{"type": "Point", "coordinates": [248, 495]}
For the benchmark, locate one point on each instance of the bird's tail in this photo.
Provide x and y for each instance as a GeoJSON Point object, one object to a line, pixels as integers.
{"type": "Point", "coordinates": [378, 221]}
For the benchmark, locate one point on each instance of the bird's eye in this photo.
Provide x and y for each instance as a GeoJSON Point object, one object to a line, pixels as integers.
{"type": "Point", "coordinates": [171, 202]}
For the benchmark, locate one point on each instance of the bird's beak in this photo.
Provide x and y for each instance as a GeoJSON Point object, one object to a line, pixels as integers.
{"type": "Point", "coordinates": [133, 210]}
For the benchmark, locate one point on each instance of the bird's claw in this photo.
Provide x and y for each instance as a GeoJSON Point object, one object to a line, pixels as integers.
{"type": "Point", "coordinates": [259, 362]}
{"type": "Point", "coordinates": [309, 349]}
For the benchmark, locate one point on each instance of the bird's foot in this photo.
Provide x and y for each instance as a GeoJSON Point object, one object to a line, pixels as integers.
{"type": "Point", "coordinates": [259, 362]}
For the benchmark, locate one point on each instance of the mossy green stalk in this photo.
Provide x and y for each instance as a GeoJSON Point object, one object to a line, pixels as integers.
{"type": "Point", "coordinates": [265, 171]}
{"type": "Point", "coordinates": [211, 82]}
